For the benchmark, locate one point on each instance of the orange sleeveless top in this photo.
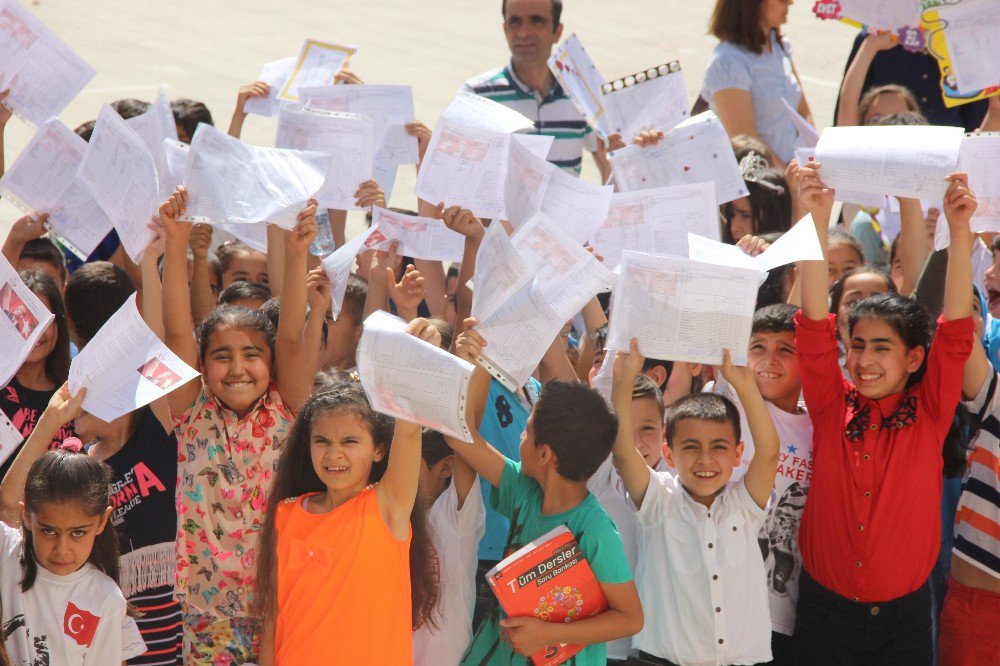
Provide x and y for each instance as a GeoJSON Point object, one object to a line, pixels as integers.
{"type": "Point", "coordinates": [343, 586]}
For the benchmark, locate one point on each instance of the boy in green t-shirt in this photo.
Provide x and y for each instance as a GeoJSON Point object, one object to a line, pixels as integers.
{"type": "Point", "coordinates": [570, 432]}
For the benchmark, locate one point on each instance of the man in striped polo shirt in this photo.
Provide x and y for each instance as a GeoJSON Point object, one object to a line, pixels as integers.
{"type": "Point", "coordinates": [526, 85]}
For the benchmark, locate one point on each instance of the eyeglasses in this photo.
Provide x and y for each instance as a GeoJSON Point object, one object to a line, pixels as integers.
{"type": "Point", "coordinates": [639, 77]}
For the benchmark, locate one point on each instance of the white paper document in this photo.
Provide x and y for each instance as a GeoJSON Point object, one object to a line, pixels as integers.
{"type": "Point", "coordinates": [980, 158]}
{"type": "Point", "coordinates": [177, 157]}
{"type": "Point", "coordinates": [408, 378]}
{"type": "Point", "coordinates": [418, 237]}
{"type": "Point", "coordinates": [348, 138]}
{"type": "Point", "coordinates": [696, 151]}
{"type": "Point", "coordinates": [229, 181]}
{"type": "Point", "coordinates": [472, 110]}
{"type": "Point", "coordinates": [904, 161]}
{"type": "Point", "coordinates": [44, 179]}
{"type": "Point", "coordinates": [467, 166]}
{"type": "Point", "coordinates": [43, 73]}
{"type": "Point", "coordinates": [149, 126]}
{"type": "Point", "coordinates": [10, 438]}
{"type": "Point", "coordinates": [800, 243]}
{"type": "Point", "coordinates": [317, 64]}
{"type": "Point", "coordinates": [563, 278]}
{"type": "Point", "coordinates": [808, 136]}
{"type": "Point", "coordinates": [24, 318]}
{"type": "Point", "coordinates": [683, 310]}
{"type": "Point", "coordinates": [338, 267]}
{"type": "Point", "coordinates": [125, 367]}
{"type": "Point", "coordinates": [654, 104]}
{"type": "Point", "coordinates": [254, 235]}
{"type": "Point", "coordinates": [882, 14]}
{"type": "Point", "coordinates": [500, 272]}
{"type": "Point", "coordinates": [972, 35]}
{"type": "Point", "coordinates": [533, 185]}
{"type": "Point", "coordinates": [167, 122]}
{"type": "Point", "coordinates": [275, 74]}
{"type": "Point", "coordinates": [578, 75]}
{"type": "Point", "coordinates": [389, 107]}
{"type": "Point", "coordinates": [657, 220]}
{"type": "Point", "coordinates": [119, 170]}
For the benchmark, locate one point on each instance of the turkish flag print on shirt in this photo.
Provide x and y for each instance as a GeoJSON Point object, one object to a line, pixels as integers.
{"type": "Point", "coordinates": [80, 625]}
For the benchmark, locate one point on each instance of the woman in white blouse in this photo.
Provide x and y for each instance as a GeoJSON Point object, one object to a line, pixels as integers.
{"type": "Point", "coordinates": [751, 74]}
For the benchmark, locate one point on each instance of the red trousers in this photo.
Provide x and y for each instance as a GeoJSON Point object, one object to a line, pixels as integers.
{"type": "Point", "coordinates": [969, 627]}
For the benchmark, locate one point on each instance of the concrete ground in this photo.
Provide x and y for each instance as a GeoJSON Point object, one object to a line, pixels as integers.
{"type": "Point", "coordinates": [206, 49]}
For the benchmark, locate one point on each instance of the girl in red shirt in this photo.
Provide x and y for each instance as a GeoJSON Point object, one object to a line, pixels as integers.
{"type": "Point", "coordinates": [871, 528]}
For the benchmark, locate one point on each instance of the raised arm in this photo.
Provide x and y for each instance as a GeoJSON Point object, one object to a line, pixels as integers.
{"type": "Point", "coordinates": [255, 89]}
{"type": "Point", "coordinates": [397, 491]}
{"type": "Point", "coordinates": [319, 298]}
{"type": "Point", "coordinates": [152, 314]}
{"type": "Point", "coordinates": [25, 229]}
{"type": "Point", "coordinates": [464, 222]}
{"type": "Point", "coordinates": [759, 479]}
{"type": "Point", "coordinates": [291, 355]}
{"type": "Point", "coordinates": [480, 456]}
{"type": "Point", "coordinates": [202, 299]}
{"type": "Point", "coordinates": [178, 326]}
{"type": "Point", "coordinates": [818, 200]}
{"type": "Point", "coordinates": [913, 250]}
{"type": "Point", "coordinates": [62, 409]}
{"type": "Point", "coordinates": [857, 72]}
{"type": "Point", "coordinates": [5, 115]}
{"type": "Point", "coordinates": [959, 205]}
{"type": "Point", "coordinates": [631, 466]}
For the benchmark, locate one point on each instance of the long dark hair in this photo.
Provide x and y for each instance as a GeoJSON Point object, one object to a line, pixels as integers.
{"type": "Point", "coordinates": [296, 477]}
{"type": "Point", "coordinates": [905, 316]}
{"type": "Point", "coordinates": [42, 285]}
{"type": "Point", "coordinates": [63, 477]}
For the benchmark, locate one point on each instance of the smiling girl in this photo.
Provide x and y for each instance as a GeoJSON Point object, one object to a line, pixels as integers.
{"type": "Point", "coordinates": [346, 569]}
{"type": "Point", "coordinates": [871, 530]}
{"type": "Point", "coordinates": [230, 425]}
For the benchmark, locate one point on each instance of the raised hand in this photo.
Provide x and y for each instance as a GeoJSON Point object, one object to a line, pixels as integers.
{"type": "Point", "coordinates": [422, 328]}
{"type": "Point", "coordinates": [28, 228]}
{"type": "Point", "coordinates": [461, 220]}
{"type": "Point", "coordinates": [423, 133]}
{"type": "Point", "coordinates": [752, 245]}
{"type": "Point", "coordinates": [739, 377]}
{"type": "Point", "coordinates": [170, 210]}
{"type": "Point", "coordinates": [318, 294]}
{"type": "Point", "coordinates": [959, 202]}
{"type": "Point", "coordinates": [305, 229]}
{"type": "Point", "coordinates": [647, 138]}
{"type": "Point", "coordinates": [370, 194]}
{"type": "Point", "coordinates": [201, 240]}
{"type": "Point", "coordinates": [346, 77]}
{"type": "Point", "coordinates": [469, 344]}
{"type": "Point", "coordinates": [251, 90]}
{"type": "Point", "coordinates": [409, 292]}
{"type": "Point", "coordinates": [628, 365]}
{"type": "Point", "coordinates": [814, 195]}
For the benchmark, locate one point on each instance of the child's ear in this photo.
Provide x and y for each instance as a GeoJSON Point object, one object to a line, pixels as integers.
{"type": "Point", "coordinates": [658, 374]}
{"type": "Point", "coordinates": [546, 455]}
{"type": "Point", "coordinates": [25, 515]}
{"type": "Point", "coordinates": [695, 369]}
{"type": "Point", "coordinates": [379, 453]}
{"type": "Point", "coordinates": [104, 520]}
{"type": "Point", "coordinates": [446, 467]}
{"type": "Point", "coordinates": [739, 452]}
{"type": "Point", "coordinates": [668, 456]}
{"type": "Point", "coordinates": [914, 359]}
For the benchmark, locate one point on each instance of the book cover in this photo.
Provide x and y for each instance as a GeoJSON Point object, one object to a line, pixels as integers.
{"type": "Point", "coordinates": [549, 579]}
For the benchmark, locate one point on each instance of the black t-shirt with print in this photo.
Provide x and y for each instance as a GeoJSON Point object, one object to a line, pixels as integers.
{"type": "Point", "coordinates": [24, 406]}
{"type": "Point", "coordinates": [143, 484]}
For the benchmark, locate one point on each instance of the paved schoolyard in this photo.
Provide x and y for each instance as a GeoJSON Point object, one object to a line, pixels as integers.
{"type": "Point", "coordinates": [205, 49]}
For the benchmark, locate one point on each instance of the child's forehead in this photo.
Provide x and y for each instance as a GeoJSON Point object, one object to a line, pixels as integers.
{"type": "Point", "coordinates": [62, 515]}
{"type": "Point", "coordinates": [703, 430]}
{"type": "Point", "coordinates": [775, 336]}
{"type": "Point", "coordinates": [236, 336]}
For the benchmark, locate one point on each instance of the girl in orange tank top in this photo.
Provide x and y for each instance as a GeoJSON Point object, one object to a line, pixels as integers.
{"type": "Point", "coordinates": [346, 569]}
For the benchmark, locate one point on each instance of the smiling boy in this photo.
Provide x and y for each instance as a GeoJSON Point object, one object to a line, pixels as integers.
{"type": "Point", "coordinates": [773, 358]}
{"type": "Point", "coordinates": [701, 582]}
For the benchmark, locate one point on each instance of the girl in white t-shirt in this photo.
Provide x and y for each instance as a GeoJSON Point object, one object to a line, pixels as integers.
{"type": "Point", "coordinates": [58, 573]}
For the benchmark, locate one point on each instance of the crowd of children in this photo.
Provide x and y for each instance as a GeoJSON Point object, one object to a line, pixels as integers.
{"type": "Point", "coordinates": [834, 501]}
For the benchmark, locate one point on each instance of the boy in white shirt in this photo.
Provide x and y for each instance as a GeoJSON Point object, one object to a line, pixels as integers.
{"type": "Point", "coordinates": [457, 520]}
{"type": "Point", "coordinates": [774, 360]}
{"type": "Point", "coordinates": [699, 575]}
